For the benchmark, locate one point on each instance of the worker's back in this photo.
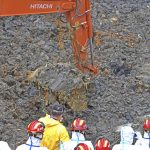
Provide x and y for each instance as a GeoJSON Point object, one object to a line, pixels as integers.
{"type": "Point", "coordinates": [35, 131]}
{"type": "Point", "coordinates": [32, 143]}
{"type": "Point", "coordinates": [26, 147]}
{"type": "Point", "coordinates": [78, 128]}
{"type": "Point", "coordinates": [76, 139]}
{"type": "Point", "coordinates": [54, 134]}
{"type": "Point", "coordinates": [127, 136]}
{"type": "Point", "coordinates": [145, 141]}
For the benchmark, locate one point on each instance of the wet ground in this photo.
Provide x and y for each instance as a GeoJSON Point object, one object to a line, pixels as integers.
{"type": "Point", "coordinates": [36, 56]}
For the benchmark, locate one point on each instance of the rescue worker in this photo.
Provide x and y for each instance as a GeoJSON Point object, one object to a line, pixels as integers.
{"type": "Point", "coordinates": [4, 146]}
{"type": "Point", "coordinates": [35, 131]}
{"type": "Point", "coordinates": [45, 120]}
{"type": "Point", "coordinates": [145, 141]}
{"type": "Point", "coordinates": [102, 144]}
{"type": "Point", "coordinates": [78, 128]}
{"type": "Point", "coordinates": [55, 133]}
{"type": "Point", "coordinates": [127, 136]}
{"type": "Point", "coordinates": [82, 146]}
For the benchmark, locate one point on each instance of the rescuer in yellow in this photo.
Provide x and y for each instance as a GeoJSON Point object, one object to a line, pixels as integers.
{"type": "Point", "coordinates": [45, 120]}
{"type": "Point", "coordinates": [55, 133]}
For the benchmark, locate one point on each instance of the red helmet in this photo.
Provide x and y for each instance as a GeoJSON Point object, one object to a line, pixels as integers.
{"type": "Point", "coordinates": [35, 127]}
{"type": "Point", "coordinates": [102, 144]}
{"type": "Point", "coordinates": [78, 125]}
{"type": "Point", "coordinates": [146, 125]}
{"type": "Point", "coordinates": [82, 146]}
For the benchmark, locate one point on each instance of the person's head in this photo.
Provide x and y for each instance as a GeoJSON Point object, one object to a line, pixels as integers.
{"type": "Point", "coordinates": [127, 135]}
{"type": "Point", "coordinates": [146, 125]}
{"type": "Point", "coordinates": [102, 144]}
{"type": "Point", "coordinates": [35, 129]}
{"type": "Point", "coordinates": [57, 111]}
{"type": "Point", "coordinates": [78, 125]}
{"type": "Point", "coordinates": [82, 146]}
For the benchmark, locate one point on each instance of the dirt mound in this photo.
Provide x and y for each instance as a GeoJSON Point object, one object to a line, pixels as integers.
{"type": "Point", "coordinates": [36, 69]}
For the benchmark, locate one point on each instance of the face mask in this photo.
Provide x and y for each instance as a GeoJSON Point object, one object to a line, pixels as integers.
{"type": "Point", "coordinates": [39, 136]}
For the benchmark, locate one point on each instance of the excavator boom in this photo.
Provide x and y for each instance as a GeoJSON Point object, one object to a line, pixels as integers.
{"type": "Point", "coordinates": [78, 15]}
{"type": "Point", "coordinates": [23, 7]}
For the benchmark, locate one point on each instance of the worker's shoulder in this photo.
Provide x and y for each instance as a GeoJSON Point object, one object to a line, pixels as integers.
{"type": "Point", "coordinates": [52, 124]}
{"type": "Point", "coordinates": [21, 147]}
{"type": "Point", "coordinates": [45, 120]}
{"type": "Point", "coordinates": [124, 146]}
{"type": "Point", "coordinates": [61, 126]}
{"type": "Point", "coordinates": [127, 147]}
{"type": "Point", "coordinates": [25, 147]}
{"type": "Point", "coordinates": [116, 147]}
{"type": "Point", "coordinates": [119, 146]}
{"type": "Point", "coordinates": [4, 145]}
{"type": "Point", "coordinates": [45, 117]}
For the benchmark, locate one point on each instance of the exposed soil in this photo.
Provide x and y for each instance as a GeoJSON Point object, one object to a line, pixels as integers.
{"type": "Point", "coordinates": [36, 68]}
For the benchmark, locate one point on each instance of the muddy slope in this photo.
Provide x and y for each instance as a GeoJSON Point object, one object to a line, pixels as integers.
{"type": "Point", "coordinates": [36, 59]}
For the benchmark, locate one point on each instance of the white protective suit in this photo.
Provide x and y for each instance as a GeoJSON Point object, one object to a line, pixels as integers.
{"type": "Point", "coordinates": [31, 144]}
{"type": "Point", "coordinates": [4, 146]}
{"type": "Point", "coordinates": [145, 141]}
{"type": "Point", "coordinates": [127, 134]}
{"type": "Point", "coordinates": [75, 140]}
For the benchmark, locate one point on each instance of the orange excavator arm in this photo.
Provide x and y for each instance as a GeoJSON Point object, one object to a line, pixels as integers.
{"type": "Point", "coordinates": [78, 15]}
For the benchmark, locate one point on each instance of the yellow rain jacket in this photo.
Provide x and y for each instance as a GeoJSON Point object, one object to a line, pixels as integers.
{"type": "Point", "coordinates": [46, 120]}
{"type": "Point", "coordinates": [54, 134]}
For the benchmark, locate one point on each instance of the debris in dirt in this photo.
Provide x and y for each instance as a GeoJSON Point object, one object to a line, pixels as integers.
{"type": "Point", "coordinates": [114, 19]}
{"type": "Point", "coordinates": [145, 73]}
{"type": "Point", "coordinates": [32, 91]}
{"type": "Point", "coordinates": [59, 83]}
{"type": "Point", "coordinates": [141, 86]}
{"type": "Point", "coordinates": [108, 99]}
{"type": "Point", "coordinates": [70, 91]}
{"type": "Point", "coordinates": [123, 68]}
{"type": "Point", "coordinates": [3, 71]}
{"type": "Point", "coordinates": [16, 73]}
{"type": "Point", "coordinates": [98, 39]}
{"type": "Point", "coordinates": [67, 88]}
{"type": "Point", "coordinates": [142, 82]}
{"type": "Point", "coordinates": [46, 96]}
{"type": "Point", "coordinates": [99, 35]}
{"type": "Point", "coordinates": [31, 75]}
{"type": "Point", "coordinates": [105, 71]}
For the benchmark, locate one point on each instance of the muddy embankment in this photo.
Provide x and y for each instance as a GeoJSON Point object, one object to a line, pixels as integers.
{"type": "Point", "coordinates": [36, 67]}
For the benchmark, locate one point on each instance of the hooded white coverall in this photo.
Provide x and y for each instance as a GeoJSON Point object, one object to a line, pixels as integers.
{"type": "Point", "coordinates": [4, 146]}
{"type": "Point", "coordinates": [75, 140]}
{"type": "Point", "coordinates": [31, 144]}
{"type": "Point", "coordinates": [145, 141]}
{"type": "Point", "coordinates": [127, 134]}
